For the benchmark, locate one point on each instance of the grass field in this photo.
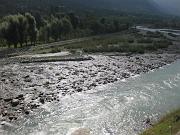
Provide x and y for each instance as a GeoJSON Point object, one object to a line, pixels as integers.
{"type": "Point", "coordinates": [168, 125]}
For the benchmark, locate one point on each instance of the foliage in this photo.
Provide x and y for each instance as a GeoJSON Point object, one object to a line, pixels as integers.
{"type": "Point", "coordinates": [18, 29]}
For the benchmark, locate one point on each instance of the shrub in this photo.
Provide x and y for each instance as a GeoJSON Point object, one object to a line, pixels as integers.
{"type": "Point", "coordinates": [145, 40]}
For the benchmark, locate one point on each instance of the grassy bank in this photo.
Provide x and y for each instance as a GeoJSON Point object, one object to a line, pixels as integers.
{"type": "Point", "coordinates": [168, 125]}
{"type": "Point", "coordinates": [125, 42]}
{"type": "Point", "coordinates": [118, 42]}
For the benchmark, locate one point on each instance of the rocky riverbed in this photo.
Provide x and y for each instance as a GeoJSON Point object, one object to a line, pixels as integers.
{"type": "Point", "coordinates": [24, 87]}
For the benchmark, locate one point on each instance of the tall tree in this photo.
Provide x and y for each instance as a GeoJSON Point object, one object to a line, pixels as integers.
{"type": "Point", "coordinates": [75, 20]}
{"type": "Point", "coordinates": [56, 28]}
{"type": "Point", "coordinates": [3, 32]}
{"type": "Point", "coordinates": [66, 26]}
{"type": "Point", "coordinates": [10, 30]}
{"type": "Point", "coordinates": [22, 29]}
{"type": "Point", "coordinates": [31, 29]}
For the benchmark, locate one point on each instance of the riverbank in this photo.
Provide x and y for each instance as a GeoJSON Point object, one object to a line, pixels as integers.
{"type": "Point", "coordinates": [28, 81]}
{"type": "Point", "coordinates": [25, 87]}
{"type": "Point", "coordinates": [168, 125]}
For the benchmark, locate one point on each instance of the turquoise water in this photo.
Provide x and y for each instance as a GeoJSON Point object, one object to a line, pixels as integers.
{"type": "Point", "coordinates": [113, 109]}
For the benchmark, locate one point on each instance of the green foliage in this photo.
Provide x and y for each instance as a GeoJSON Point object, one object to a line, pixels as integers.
{"type": "Point", "coordinates": [18, 28]}
{"type": "Point", "coordinates": [145, 40]}
{"type": "Point", "coordinates": [56, 28]}
{"type": "Point", "coordinates": [66, 26]}
{"type": "Point", "coordinates": [31, 28]}
{"type": "Point", "coordinates": [75, 20]}
{"type": "Point", "coordinates": [115, 43]}
{"type": "Point", "coordinates": [10, 31]}
{"type": "Point", "coordinates": [22, 28]}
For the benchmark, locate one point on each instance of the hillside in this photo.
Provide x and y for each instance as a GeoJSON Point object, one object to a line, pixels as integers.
{"type": "Point", "coordinates": [14, 6]}
{"type": "Point", "coordinates": [117, 5]}
{"type": "Point", "coordinates": [169, 6]}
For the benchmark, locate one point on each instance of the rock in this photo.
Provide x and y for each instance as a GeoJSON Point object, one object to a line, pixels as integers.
{"type": "Point", "coordinates": [79, 90]}
{"type": "Point", "coordinates": [42, 100]}
{"type": "Point", "coordinates": [8, 99]}
{"type": "Point", "coordinates": [46, 83]}
{"type": "Point", "coordinates": [26, 112]}
{"type": "Point", "coordinates": [3, 80]}
{"type": "Point", "coordinates": [34, 106]}
{"type": "Point", "coordinates": [57, 74]}
{"type": "Point", "coordinates": [20, 96]}
{"type": "Point", "coordinates": [125, 75]}
{"type": "Point", "coordinates": [11, 118]}
{"type": "Point", "coordinates": [28, 80]}
{"type": "Point", "coordinates": [4, 113]}
{"type": "Point", "coordinates": [14, 102]}
{"type": "Point", "coordinates": [7, 124]}
{"type": "Point", "coordinates": [148, 121]}
{"type": "Point", "coordinates": [177, 118]}
{"type": "Point", "coordinates": [50, 68]}
{"type": "Point", "coordinates": [27, 76]}
{"type": "Point", "coordinates": [80, 131]}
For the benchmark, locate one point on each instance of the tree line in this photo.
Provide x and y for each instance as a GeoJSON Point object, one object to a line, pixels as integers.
{"type": "Point", "coordinates": [18, 29]}
{"type": "Point", "coordinates": [28, 29]}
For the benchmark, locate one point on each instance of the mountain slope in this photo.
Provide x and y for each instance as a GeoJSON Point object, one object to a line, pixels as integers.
{"type": "Point", "coordinates": [169, 6]}
{"type": "Point", "coordinates": [118, 5]}
{"type": "Point", "coordinates": [147, 6]}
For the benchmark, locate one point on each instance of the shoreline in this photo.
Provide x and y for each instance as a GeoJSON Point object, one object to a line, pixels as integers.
{"type": "Point", "coordinates": [26, 86]}
{"type": "Point", "coordinates": [168, 123]}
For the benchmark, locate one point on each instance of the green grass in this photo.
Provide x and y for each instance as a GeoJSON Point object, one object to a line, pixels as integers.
{"type": "Point", "coordinates": [119, 42]}
{"type": "Point", "coordinates": [168, 125]}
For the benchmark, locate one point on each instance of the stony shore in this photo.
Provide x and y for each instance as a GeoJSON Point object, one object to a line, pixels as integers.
{"type": "Point", "coordinates": [26, 86]}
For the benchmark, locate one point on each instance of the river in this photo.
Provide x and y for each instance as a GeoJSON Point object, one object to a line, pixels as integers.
{"type": "Point", "coordinates": [165, 31]}
{"type": "Point", "coordinates": [113, 109]}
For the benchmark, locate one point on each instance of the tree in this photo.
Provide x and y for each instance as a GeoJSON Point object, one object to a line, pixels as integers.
{"type": "Point", "coordinates": [43, 34]}
{"type": "Point", "coordinates": [66, 26]}
{"type": "Point", "coordinates": [116, 25]}
{"type": "Point", "coordinates": [9, 29]}
{"type": "Point", "coordinates": [75, 20]}
{"type": "Point", "coordinates": [31, 29]}
{"type": "Point", "coordinates": [22, 29]}
{"type": "Point", "coordinates": [97, 27]}
{"type": "Point", "coordinates": [56, 28]}
{"type": "Point", "coordinates": [3, 32]}
{"type": "Point", "coordinates": [40, 22]}
{"type": "Point", "coordinates": [103, 21]}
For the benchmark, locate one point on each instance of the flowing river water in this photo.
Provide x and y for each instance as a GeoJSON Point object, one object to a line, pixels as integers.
{"type": "Point", "coordinates": [114, 109]}
{"type": "Point", "coordinates": [165, 31]}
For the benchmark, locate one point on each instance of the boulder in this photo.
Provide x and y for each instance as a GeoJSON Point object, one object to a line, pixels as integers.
{"type": "Point", "coordinates": [8, 99]}
{"type": "Point", "coordinates": [14, 102]}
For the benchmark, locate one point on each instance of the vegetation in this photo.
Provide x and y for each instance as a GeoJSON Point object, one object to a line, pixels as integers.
{"type": "Point", "coordinates": [120, 42]}
{"type": "Point", "coordinates": [50, 22]}
{"type": "Point", "coordinates": [169, 125]}
{"type": "Point", "coordinates": [18, 29]}
{"type": "Point", "coordinates": [28, 29]}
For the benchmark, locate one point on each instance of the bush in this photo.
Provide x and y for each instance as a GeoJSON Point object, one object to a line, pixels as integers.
{"type": "Point", "coordinates": [55, 50]}
{"type": "Point", "coordinates": [130, 40]}
{"type": "Point", "coordinates": [145, 40]}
